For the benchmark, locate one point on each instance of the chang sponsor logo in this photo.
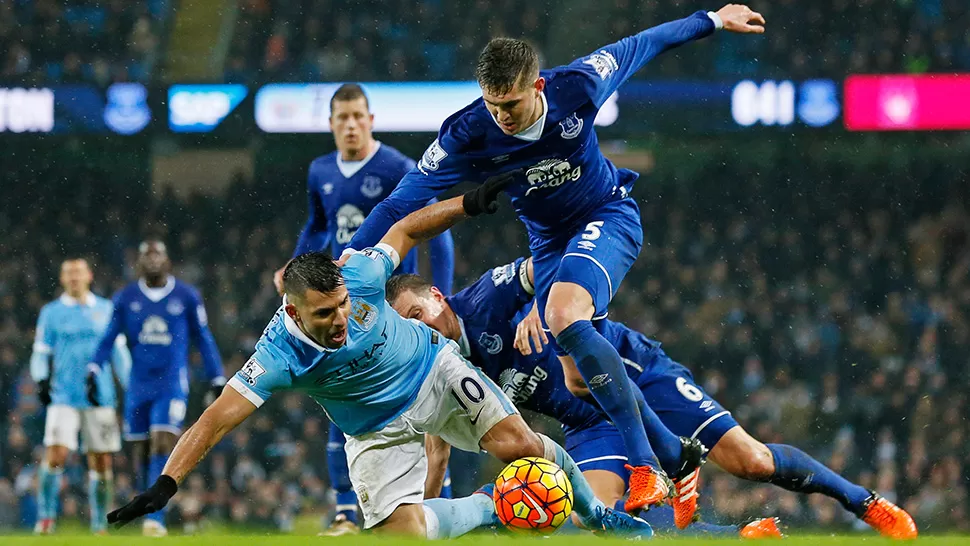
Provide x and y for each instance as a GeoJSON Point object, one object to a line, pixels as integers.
{"type": "Point", "coordinates": [154, 331]}
{"type": "Point", "coordinates": [551, 173]}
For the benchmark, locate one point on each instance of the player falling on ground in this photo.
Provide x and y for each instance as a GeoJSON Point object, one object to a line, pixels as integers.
{"type": "Point", "coordinates": [495, 316]}
{"type": "Point", "coordinates": [160, 316]}
{"type": "Point", "coordinates": [584, 229]}
{"type": "Point", "coordinates": [386, 381]}
{"type": "Point", "coordinates": [68, 331]}
{"type": "Point", "coordinates": [342, 188]}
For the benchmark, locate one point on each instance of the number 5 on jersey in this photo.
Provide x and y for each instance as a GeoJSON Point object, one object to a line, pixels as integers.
{"type": "Point", "coordinates": [590, 234]}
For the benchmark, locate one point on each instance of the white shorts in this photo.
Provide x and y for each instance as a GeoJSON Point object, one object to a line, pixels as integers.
{"type": "Point", "coordinates": [98, 427]}
{"type": "Point", "coordinates": [457, 402]}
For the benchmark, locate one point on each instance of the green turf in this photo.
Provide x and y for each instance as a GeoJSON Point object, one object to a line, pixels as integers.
{"type": "Point", "coordinates": [214, 539]}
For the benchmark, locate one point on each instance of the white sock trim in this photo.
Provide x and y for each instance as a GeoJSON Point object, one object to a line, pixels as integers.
{"type": "Point", "coordinates": [431, 523]}
{"type": "Point", "coordinates": [548, 448]}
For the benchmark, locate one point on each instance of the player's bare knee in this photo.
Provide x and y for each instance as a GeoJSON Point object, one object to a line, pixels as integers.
{"type": "Point", "coordinates": [99, 462]}
{"type": "Point", "coordinates": [559, 317]}
{"type": "Point", "coordinates": [56, 457]}
{"type": "Point", "coordinates": [755, 461]}
{"type": "Point", "coordinates": [519, 443]}
{"type": "Point", "coordinates": [162, 443]}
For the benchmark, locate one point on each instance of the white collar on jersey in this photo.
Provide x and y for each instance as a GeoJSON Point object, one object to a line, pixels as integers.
{"type": "Point", "coordinates": [534, 132]}
{"type": "Point", "coordinates": [88, 300]}
{"type": "Point", "coordinates": [463, 346]}
{"type": "Point", "coordinates": [157, 294]}
{"type": "Point", "coordinates": [350, 168]}
{"type": "Point", "coordinates": [294, 329]}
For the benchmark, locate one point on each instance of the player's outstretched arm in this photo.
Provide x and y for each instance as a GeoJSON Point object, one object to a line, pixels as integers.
{"type": "Point", "coordinates": [423, 224]}
{"type": "Point", "coordinates": [225, 414]}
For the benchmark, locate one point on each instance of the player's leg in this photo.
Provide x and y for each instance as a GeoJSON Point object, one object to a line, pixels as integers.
{"type": "Point", "coordinates": [591, 267]}
{"type": "Point", "coordinates": [60, 438]}
{"type": "Point", "coordinates": [345, 520]}
{"type": "Point", "coordinates": [167, 415]}
{"type": "Point", "coordinates": [137, 421]}
{"type": "Point", "coordinates": [790, 468]}
{"type": "Point", "coordinates": [101, 438]}
{"type": "Point", "coordinates": [466, 409]}
{"type": "Point", "coordinates": [390, 501]}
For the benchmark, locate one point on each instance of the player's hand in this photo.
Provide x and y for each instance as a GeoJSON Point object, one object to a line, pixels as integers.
{"type": "Point", "coordinates": [342, 260]}
{"type": "Point", "coordinates": [278, 280]}
{"type": "Point", "coordinates": [529, 333]}
{"type": "Point", "coordinates": [44, 391]}
{"type": "Point", "coordinates": [740, 18]}
{"type": "Point", "coordinates": [483, 199]}
{"type": "Point", "coordinates": [91, 384]}
{"type": "Point", "coordinates": [150, 501]}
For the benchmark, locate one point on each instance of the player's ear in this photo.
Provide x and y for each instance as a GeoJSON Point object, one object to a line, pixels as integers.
{"type": "Point", "coordinates": [291, 311]}
{"type": "Point", "coordinates": [437, 294]}
{"type": "Point", "coordinates": [540, 84]}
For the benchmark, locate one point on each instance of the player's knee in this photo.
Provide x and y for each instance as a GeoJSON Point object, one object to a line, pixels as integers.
{"type": "Point", "coordinates": [100, 462]}
{"type": "Point", "coordinates": [559, 317]}
{"type": "Point", "coordinates": [162, 443]}
{"type": "Point", "coordinates": [56, 457]}
{"type": "Point", "coordinates": [754, 461]}
{"type": "Point", "coordinates": [517, 444]}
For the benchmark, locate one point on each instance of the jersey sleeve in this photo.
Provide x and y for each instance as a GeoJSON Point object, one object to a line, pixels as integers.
{"type": "Point", "coordinates": [315, 235]}
{"type": "Point", "coordinates": [366, 272]}
{"type": "Point", "coordinates": [202, 335]}
{"type": "Point", "coordinates": [43, 346]}
{"type": "Point", "coordinates": [263, 374]}
{"type": "Point", "coordinates": [441, 167]}
{"type": "Point", "coordinates": [105, 347]}
{"type": "Point", "coordinates": [500, 292]}
{"type": "Point", "coordinates": [610, 66]}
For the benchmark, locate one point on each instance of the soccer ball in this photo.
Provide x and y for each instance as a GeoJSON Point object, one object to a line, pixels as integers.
{"type": "Point", "coordinates": [533, 494]}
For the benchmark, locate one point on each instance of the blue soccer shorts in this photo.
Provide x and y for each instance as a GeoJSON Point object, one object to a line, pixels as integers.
{"type": "Point", "coordinates": [162, 411]}
{"type": "Point", "coordinates": [599, 447]}
{"type": "Point", "coordinates": [596, 257]}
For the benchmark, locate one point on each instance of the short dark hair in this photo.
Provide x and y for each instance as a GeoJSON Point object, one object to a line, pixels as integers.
{"type": "Point", "coordinates": [503, 62]}
{"type": "Point", "coordinates": [348, 92]}
{"type": "Point", "coordinates": [311, 271]}
{"type": "Point", "coordinates": [400, 284]}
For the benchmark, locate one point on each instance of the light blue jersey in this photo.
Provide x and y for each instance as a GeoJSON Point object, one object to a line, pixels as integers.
{"type": "Point", "coordinates": [365, 384]}
{"type": "Point", "coordinates": [69, 331]}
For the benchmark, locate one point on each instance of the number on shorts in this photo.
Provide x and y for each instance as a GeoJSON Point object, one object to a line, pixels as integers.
{"type": "Point", "coordinates": [593, 230]}
{"type": "Point", "coordinates": [472, 391]}
{"type": "Point", "coordinates": [176, 411]}
{"type": "Point", "coordinates": [689, 391]}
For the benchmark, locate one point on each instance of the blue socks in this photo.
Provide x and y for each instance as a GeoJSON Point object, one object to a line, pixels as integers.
{"type": "Point", "coordinates": [48, 485]}
{"type": "Point", "coordinates": [452, 518]}
{"type": "Point", "coordinates": [796, 471]}
{"type": "Point", "coordinates": [340, 475]}
{"type": "Point", "coordinates": [602, 368]}
{"type": "Point", "coordinates": [100, 492]}
{"type": "Point", "coordinates": [666, 444]}
{"type": "Point", "coordinates": [585, 503]}
{"type": "Point", "coordinates": [155, 465]}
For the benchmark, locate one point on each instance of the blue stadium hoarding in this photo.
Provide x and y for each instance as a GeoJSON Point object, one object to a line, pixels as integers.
{"type": "Point", "coordinates": [640, 106]}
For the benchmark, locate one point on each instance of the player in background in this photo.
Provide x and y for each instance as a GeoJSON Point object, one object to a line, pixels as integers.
{"type": "Point", "coordinates": [160, 317]}
{"type": "Point", "coordinates": [342, 188]}
{"type": "Point", "coordinates": [387, 382]}
{"type": "Point", "coordinates": [495, 323]}
{"type": "Point", "coordinates": [68, 331]}
{"type": "Point", "coordinates": [584, 229]}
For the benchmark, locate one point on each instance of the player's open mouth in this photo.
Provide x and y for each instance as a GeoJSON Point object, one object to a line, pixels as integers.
{"type": "Point", "coordinates": [339, 337]}
{"type": "Point", "coordinates": [507, 126]}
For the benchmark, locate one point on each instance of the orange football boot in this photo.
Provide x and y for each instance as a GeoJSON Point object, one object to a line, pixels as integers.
{"type": "Point", "coordinates": [684, 500]}
{"type": "Point", "coordinates": [648, 487]}
{"type": "Point", "coordinates": [890, 520]}
{"type": "Point", "coordinates": [762, 528]}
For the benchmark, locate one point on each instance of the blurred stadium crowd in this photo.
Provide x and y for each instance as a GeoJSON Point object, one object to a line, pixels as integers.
{"type": "Point", "coordinates": [824, 314]}
{"type": "Point", "coordinates": [334, 40]}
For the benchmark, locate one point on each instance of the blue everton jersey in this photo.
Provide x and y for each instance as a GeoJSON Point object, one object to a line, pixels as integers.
{"type": "Point", "coordinates": [67, 336]}
{"type": "Point", "coordinates": [341, 194]}
{"type": "Point", "coordinates": [369, 381]}
{"type": "Point", "coordinates": [563, 176]}
{"type": "Point", "coordinates": [488, 311]}
{"type": "Point", "coordinates": [160, 325]}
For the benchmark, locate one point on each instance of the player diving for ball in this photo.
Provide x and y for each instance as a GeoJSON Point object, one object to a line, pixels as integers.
{"type": "Point", "coordinates": [494, 324]}
{"type": "Point", "coordinates": [584, 229]}
{"type": "Point", "coordinates": [386, 382]}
